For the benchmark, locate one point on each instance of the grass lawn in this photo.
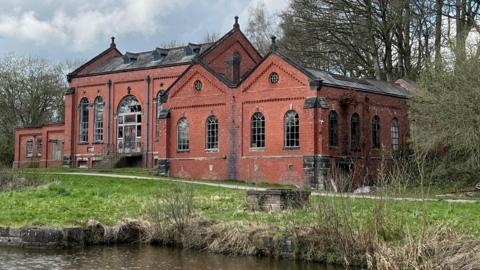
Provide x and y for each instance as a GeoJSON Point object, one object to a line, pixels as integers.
{"type": "Point", "coordinates": [71, 200]}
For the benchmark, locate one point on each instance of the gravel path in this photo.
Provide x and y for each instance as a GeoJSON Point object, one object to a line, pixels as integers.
{"type": "Point", "coordinates": [241, 187]}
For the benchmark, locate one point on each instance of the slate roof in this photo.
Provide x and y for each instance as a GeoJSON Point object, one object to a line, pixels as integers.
{"type": "Point", "coordinates": [335, 80]}
{"type": "Point", "coordinates": [370, 85]}
{"type": "Point", "coordinates": [155, 58]}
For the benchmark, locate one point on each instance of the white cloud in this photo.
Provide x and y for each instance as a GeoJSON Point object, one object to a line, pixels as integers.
{"type": "Point", "coordinates": [83, 27]}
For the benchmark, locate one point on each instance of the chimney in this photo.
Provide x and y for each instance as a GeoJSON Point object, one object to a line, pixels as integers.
{"type": "Point", "coordinates": [232, 70]}
{"type": "Point", "coordinates": [273, 46]}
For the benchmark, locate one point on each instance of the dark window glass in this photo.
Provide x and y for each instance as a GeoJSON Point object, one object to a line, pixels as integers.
{"type": "Point", "coordinates": [211, 134]}
{"type": "Point", "coordinates": [29, 147]}
{"type": "Point", "coordinates": [376, 132]}
{"type": "Point", "coordinates": [258, 130]}
{"type": "Point", "coordinates": [274, 78]}
{"type": "Point", "coordinates": [355, 132]}
{"type": "Point", "coordinates": [183, 135]}
{"type": "Point", "coordinates": [120, 132]}
{"type": "Point", "coordinates": [292, 130]}
{"type": "Point", "coordinates": [139, 131]}
{"type": "Point", "coordinates": [197, 85]}
{"type": "Point", "coordinates": [333, 128]}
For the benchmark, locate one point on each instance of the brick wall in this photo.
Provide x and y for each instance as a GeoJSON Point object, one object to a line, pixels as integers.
{"type": "Point", "coordinates": [308, 164]}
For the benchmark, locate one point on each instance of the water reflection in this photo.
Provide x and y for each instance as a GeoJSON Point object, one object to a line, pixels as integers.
{"type": "Point", "coordinates": [139, 257]}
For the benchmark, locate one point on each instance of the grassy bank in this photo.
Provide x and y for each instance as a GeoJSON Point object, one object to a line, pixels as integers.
{"type": "Point", "coordinates": [72, 200]}
{"type": "Point", "coordinates": [342, 230]}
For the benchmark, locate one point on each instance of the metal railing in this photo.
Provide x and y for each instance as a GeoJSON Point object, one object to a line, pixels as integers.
{"type": "Point", "coordinates": [125, 146]}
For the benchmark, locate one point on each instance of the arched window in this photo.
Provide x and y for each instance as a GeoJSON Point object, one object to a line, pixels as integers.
{"type": "Point", "coordinates": [355, 132]}
{"type": "Point", "coordinates": [376, 132]}
{"type": "Point", "coordinates": [258, 130]}
{"type": "Point", "coordinates": [333, 129]}
{"type": "Point", "coordinates": [183, 135]}
{"type": "Point", "coordinates": [292, 130]}
{"type": "Point", "coordinates": [211, 133]}
{"type": "Point", "coordinates": [159, 103]}
{"type": "Point", "coordinates": [395, 134]}
{"type": "Point", "coordinates": [98, 117]}
{"type": "Point", "coordinates": [159, 110]}
{"type": "Point", "coordinates": [84, 120]}
{"type": "Point", "coordinates": [129, 125]}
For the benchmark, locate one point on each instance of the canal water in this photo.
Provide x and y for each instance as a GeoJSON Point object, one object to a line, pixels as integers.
{"type": "Point", "coordinates": [140, 257]}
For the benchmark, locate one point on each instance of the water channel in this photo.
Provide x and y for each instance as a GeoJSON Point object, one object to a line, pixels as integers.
{"type": "Point", "coordinates": [140, 257]}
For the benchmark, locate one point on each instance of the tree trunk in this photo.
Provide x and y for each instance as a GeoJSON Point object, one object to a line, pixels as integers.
{"type": "Point", "coordinates": [438, 33]}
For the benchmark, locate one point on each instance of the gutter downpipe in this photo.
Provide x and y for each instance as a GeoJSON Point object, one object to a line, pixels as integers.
{"type": "Point", "coordinates": [109, 119]}
{"type": "Point", "coordinates": [147, 130]}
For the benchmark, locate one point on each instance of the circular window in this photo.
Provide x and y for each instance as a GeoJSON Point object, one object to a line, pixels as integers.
{"type": "Point", "coordinates": [274, 78]}
{"type": "Point", "coordinates": [197, 85]}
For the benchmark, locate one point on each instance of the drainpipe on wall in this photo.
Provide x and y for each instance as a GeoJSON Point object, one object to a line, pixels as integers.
{"type": "Point", "coordinates": [147, 130]}
{"type": "Point", "coordinates": [109, 119]}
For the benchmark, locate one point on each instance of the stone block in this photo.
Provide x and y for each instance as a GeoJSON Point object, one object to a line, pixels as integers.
{"type": "Point", "coordinates": [277, 199]}
{"type": "Point", "coordinates": [41, 235]}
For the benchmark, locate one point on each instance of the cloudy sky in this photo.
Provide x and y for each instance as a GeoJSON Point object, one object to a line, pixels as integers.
{"type": "Point", "coordinates": [60, 30]}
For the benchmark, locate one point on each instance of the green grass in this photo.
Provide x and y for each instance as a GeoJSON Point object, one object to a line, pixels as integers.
{"type": "Point", "coordinates": [71, 200]}
{"type": "Point", "coordinates": [453, 190]}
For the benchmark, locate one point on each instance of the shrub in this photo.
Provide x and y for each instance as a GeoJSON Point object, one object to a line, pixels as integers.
{"type": "Point", "coordinates": [174, 207]}
{"type": "Point", "coordinates": [11, 180]}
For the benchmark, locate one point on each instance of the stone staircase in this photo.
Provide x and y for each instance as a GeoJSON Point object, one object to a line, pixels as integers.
{"type": "Point", "coordinates": [109, 161]}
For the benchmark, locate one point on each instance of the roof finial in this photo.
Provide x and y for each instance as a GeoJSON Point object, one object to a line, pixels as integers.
{"type": "Point", "coordinates": [113, 45]}
{"type": "Point", "coordinates": [273, 46]}
{"type": "Point", "coordinates": [236, 25]}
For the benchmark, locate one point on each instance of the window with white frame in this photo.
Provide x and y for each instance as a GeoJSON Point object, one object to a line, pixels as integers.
{"type": "Point", "coordinates": [292, 130]}
{"type": "Point", "coordinates": [211, 133]}
{"type": "Point", "coordinates": [183, 135]}
{"type": "Point", "coordinates": [98, 116]}
{"type": "Point", "coordinates": [395, 134]}
{"type": "Point", "coordinates": [257, 130]}
{"type": "Point", "coordinates": [39, 147]}
{"type": "Point", "coordinates": [159, 110]}
{"type": "Point", "coordinates": [84, 120]}
{"type": "Point", "coordinates": [29, 148]}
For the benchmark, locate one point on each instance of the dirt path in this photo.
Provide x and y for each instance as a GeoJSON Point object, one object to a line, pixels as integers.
{"type": "Point", "coordinates": [241, 187]}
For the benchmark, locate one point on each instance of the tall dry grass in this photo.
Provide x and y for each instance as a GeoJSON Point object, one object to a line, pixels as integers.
{"type": "Point", "coordinates": [14, 180]}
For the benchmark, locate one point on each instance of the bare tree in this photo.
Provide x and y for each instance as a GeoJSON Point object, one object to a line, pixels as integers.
{"type": "Point", "coordinates": [261, 27]}
{"type": "Point", "coordinates": [377, 38]}
{"type": "Point", "coordinates": [210, 37]}
{"type": "Point", "coordinates": [31, 94]}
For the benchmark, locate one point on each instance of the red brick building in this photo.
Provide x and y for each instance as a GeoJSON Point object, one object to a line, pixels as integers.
{"type": "Point", "coordinates": [220, 111]}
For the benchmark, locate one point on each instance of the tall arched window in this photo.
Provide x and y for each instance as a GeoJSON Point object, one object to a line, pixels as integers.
{"type": "Point", "coordinates": [333, 129]}
{"type": "Point", "coordinates": [376, 132]}
{"type": "Point", "coordinates": [183, 135]}
{"type": "Point", "coordinates": [211, 133]}
{"type": "Point", "coordinates": [395, 134]}
{"type": "Point", "coordinates": [159, 109]}
{"type": "Point", "coordinates": [98, 117]}
{"type": "Point", "coordinates": [291, 130]}
{"type": "Point", "coordinates": [355, 132]}
{"type": "Point", "coordinates": [84, 120]}
{"type": "Point", "coordinates": [257, 130]}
